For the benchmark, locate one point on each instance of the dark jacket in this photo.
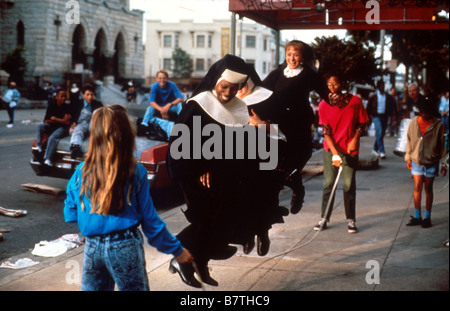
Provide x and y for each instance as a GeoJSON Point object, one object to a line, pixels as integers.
{"type": "Point", "coordinates": [373, 104]}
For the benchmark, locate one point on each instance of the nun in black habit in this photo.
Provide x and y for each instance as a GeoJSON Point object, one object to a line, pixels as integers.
{"type": "Point", "coordinates": [210, 180]}
{"type": "Point", "coordinates": [261, 201]}
{"type": "Point", "coordinates": [292, 83]}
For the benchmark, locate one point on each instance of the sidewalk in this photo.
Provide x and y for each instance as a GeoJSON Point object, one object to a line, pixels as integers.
{"type": "Point", "coordinates": [408, 258]}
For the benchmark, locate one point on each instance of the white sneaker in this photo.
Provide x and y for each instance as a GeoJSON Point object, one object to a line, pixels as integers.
{"type": "Point", "coordinates": [48, 162]}
{"type": "Point", "coordinates": [375, 153]}
{"type": "Point", "coordinates": [322, 225]}
{"type": "Point", "coordinates": [10, 125]}
{"type": "Point", "coordinates": [383, 155]}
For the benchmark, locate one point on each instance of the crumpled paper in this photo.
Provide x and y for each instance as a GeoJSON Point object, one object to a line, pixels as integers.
{"type": "Point", "coordinates": [19, 264]}
{"type": "Point", "coordinates": [56, 247]}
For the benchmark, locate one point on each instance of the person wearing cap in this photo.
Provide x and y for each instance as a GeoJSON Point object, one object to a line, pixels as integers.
{"type": "Point", "coordinates": [211, 185]}
{"type": "Point", "coordinates": [131, 93]}
{"type": "Point", "coordinates": [292, 83]}
{"type": "Point", "coordinates": [75, 94]}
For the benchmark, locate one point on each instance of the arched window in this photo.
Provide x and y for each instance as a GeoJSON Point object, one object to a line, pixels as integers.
{"type": "Point", "coordinates": [20, 31]}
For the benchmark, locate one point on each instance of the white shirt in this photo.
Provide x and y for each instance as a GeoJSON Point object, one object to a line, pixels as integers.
{"type": "Point", "coordinates": [381, 99]}
{"type": "Point", "coordinates": [290, 73]}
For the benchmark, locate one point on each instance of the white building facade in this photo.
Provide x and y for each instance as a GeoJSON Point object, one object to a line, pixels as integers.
{"type": "Point", "coordinates": [206, 43]}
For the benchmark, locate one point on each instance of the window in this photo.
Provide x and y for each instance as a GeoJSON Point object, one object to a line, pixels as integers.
{"type": "Point", "coordinates": [167, 63]}
{"type": "Point", "coordinates": [177, 41]}
{"type": "Point", "coordinates": [265, 45]}
{"type": "Point", "coordinates": [250, 41]}
{"type": "Point", "coordinates": [200, 64]}
{"type": "Point", "coordinates": [167, 41]}
{"type": "Point", "coordinates": [20, 28]}
{"type": "Point", "coordinates": [200, 41]}
{"type": "Point", "coordinates": [209, 41]}
{"type": "Point", "coordinates": [264, 67]}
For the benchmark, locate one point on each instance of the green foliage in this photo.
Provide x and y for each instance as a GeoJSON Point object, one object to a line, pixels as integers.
{"type": "Point", "coordinates": [354, 61]}
{"type": "Point", "coordinates": [15, 64]}
{"type": "Point", "coordinates": [424, 50]}
{"type": "Point", "coordinates": [182, 64]}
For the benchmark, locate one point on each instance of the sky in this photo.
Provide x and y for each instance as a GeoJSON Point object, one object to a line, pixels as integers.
{"type": "Point", "coordinates": [207, 10]}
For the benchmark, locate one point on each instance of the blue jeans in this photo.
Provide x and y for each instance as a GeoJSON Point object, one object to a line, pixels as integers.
{"type": "Point", "coordinates": [165, 125]}
{"type": "Point", "coordinates": [380, 123]}
{"type": "Point", "coordinates": [116, 258]}
{"type": "Point", "coordinates": [55, 134]}
{"type": "Point", "coordinates": [152, 112]}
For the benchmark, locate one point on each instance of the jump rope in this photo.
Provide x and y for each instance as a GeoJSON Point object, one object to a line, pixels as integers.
{"type": "Point", "coordinates": [322, 223]}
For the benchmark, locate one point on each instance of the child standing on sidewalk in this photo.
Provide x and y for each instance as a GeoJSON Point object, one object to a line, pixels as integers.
{"type": "Point", "coordinates": [109, 197]}
{"type": "Point", "coordinates": [425, 148]}
{"type": "Point", "coordinates": [343, 124]}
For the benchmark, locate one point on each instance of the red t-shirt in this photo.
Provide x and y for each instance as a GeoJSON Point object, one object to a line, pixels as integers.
{"type": "Point", "coordinates": [343, 122]}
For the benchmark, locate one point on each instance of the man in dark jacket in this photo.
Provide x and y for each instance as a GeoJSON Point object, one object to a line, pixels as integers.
{"type": "Point", "coordinates": [380, 107]}
{"type": "Point", "coordinates": [82, 114]}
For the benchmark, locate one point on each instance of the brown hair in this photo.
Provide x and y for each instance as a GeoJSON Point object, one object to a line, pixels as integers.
{"type": "Point", "coordinates": [110, 161]}
{"type": "Point", "coordinates": [163, 72]}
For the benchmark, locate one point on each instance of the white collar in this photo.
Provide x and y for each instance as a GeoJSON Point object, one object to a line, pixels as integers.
{"type": "Point", "coordinates": [234, 112]}
{"type": "Point", "coordinates": [290, 73]}
{"type": "Point", "coordinates": [258, 95]}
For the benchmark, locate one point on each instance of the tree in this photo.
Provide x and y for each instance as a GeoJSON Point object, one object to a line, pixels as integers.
{"type": "Point", "coordinates": [355, 62]}
{"type": "Point", "coordinates": [182, 64]}
{"type": "Point", "coordinates": [15, 64]}
{"type": "Point", "coordinates": [424, 51]}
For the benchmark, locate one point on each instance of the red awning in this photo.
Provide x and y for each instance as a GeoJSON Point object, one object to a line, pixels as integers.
{"type": "Point", "coordinates": [344, 14]}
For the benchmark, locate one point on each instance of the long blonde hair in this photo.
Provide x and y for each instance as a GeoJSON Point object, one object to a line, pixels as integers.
{"type": "Point", "coordinates": [110, 161]}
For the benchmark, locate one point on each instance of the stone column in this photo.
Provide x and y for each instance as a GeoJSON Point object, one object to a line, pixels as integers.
{"type": "Point", "coordinates": [89, 52]}
{"type": "Point", "coordinates": [109, 67]}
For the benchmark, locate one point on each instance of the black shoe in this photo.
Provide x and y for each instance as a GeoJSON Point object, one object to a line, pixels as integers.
{"type": "Point", "coordinates": [38, 156]}
{"type": "Point", "coordinates": [186, 272]}
{"type": "Point", "coordinates": [414, 221]}
{"type": "Point", "coordinates": [284, 211]}
{"type": "Point", "coordinates": [296, 202]}
{"type": "Point", "coordinates": [75, 151]}
{"type": "Point", "coordinates": [248, 247]}
{"type": "Point", "coordinates": [263, 243]}
{"type": "Point", "coordinates": [206, 277]}
{"type": "Point", "coordinates": [426, 223]}
{"type": "Point", "coordinates": [298, 194]}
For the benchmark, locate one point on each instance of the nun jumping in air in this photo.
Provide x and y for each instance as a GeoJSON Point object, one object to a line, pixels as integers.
{"type": "Point", "coordinates": [199, 161]}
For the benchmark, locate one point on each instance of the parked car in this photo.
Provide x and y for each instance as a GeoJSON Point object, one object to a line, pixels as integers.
{"type": "Point", "coordinates": [149, 152]}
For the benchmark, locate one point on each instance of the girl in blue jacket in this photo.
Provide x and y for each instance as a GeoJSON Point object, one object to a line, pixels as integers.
{"type": "Point", "coordinates": [108, 196]}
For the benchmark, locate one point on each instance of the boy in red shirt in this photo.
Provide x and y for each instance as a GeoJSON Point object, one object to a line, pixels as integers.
{"type": "Point", "coordinates": [342, 124]}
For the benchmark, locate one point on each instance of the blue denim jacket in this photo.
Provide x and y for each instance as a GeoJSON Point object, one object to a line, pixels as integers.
{"type": "Point", "coordinates": [140, 211]}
